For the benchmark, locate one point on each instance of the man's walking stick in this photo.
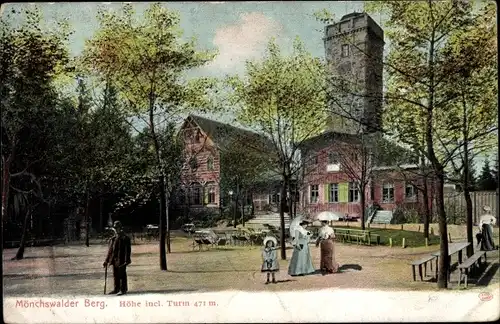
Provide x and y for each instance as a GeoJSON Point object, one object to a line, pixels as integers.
{"type": "Point", "coordinates": [105, 278]}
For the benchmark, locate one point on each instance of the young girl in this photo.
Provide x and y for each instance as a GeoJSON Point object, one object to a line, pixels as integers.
{"type": "Point", "coordinates": [270, 263]}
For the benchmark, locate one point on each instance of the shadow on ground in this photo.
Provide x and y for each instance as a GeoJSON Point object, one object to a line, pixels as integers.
{"type": "Point", "coordinates": [74, 276]}
{"type": "Point", "coordinates": [53, 256]}
{"type": "Point", "coordinates": [485, 278]}
{"type": "Point", "coordinates": [350, 267]}
{"type": "Point", "coordinates": [208, 271]}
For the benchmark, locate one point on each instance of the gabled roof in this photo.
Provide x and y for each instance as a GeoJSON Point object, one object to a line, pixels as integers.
{"type": "Point", "coordinates": [391, 153]}
{"type": "Point", "coordinates": [223, 134]}
{"type": "Point", "coordinates": [326, 138]}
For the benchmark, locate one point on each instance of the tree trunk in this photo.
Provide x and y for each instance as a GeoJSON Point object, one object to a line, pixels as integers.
{"type": "Point", "coordinates": [100, 214]}
{"type": "Point", "coordinates": [362, 202]}
{"type": "Point", "coordinates": [242, 208]}
{"type": "Point", "coordinates": [444, 263]}
{"type": "Point", "coordinates": [252, 214]}
{"type": "Point", "coordinates": [295, 203]}
{"type": "Point", "coordinates": [282, 216]}
{"type": "Point", "coordinates": [87, 227]}
{"type": "Point", "coordinates": [468, 200]}
{"type": "Point", "coordinates": [167, 222]}
{"type": "Point", "coordinates": [163, 254]}
{"type": "Point", "coordinates": [427, 210]}
{"type": "Point", "coordinates": [20, 252]}
{"type": "Point", "coordinates": [5, 186]}
{"type": "Point", "coordinates": [161, 178]}
{"type": "Point", "coordinates": [466, 181]}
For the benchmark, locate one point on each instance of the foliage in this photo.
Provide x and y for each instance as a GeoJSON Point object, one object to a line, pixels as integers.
{"type": "Point", "coordinates": [279, 97]}
{"type": "Point", "coordinates": [487, 179]}
{"type": "Point", "coordinates": [282, 98]}
{"type": "Point", "coordinates": [31, 56]}
{"type": "Point", "coordinates": [147, 60]}
{"type": "Point", "coordinates": [403, 215]}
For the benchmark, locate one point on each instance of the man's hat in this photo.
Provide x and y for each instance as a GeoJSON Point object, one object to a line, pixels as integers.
{"type": "Point", "coordinates": [117, 224]}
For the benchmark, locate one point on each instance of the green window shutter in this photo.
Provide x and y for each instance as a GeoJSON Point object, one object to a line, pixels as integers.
{"type": "Point", "coordinates": [343, 192]}
{"type": "Point", "coordinates": [325, 193]}
{"type": "Point", "coordinates": [205, 196]}
{"type": "Point", "coordinates": [328, 192]}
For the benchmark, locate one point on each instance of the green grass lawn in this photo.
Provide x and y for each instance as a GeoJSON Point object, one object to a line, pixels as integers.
{"type": "Point", "coordinates": [412, 239]}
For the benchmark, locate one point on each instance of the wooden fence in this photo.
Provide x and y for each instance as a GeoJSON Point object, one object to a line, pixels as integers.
{"type": "Point", "coordinates": [456, 208]}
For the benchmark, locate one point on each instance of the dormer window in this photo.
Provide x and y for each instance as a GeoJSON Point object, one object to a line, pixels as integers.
{"type": "Point", "coordinates": [345, 50]}
{"type": "Point", "coordinates": [333, 162]}
{"type": "Point", "coordinates": [210, 164]}
{"type": "Point", "coordinates": [193, 163]}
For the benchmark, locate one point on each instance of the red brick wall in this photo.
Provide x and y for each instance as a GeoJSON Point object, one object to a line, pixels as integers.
{"type": "Point", "coordinates": [318, 174]}
{"type": "Point", "coordinates": [202, 149]}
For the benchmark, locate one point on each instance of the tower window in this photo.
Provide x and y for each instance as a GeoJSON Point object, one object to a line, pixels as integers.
{"type": "Point", "coordinates": [345, 50]}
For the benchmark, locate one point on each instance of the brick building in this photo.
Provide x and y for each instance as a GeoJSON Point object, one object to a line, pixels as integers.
{"type": "Point", "coordinates": [202, 176]}
{"type": "Point", "coordinates": [336, 164]}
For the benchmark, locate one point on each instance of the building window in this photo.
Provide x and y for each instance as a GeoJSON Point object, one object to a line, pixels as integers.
{"type": "Point", "coordinates": [197, 136]}
{"type": "Point", "coordinates": [334, 193]}
{"type": "Point", "coordinates": [354, 157]}
{"type": "Point", "coordinates": [410, 192]}
{"type": "Point", "coordinates": [210, 164]}
{"type": "Point", "coordinates": [181, 196]}
{"type": "Point", "coordinates": [333, 162]}
{"type": "Point", "coordinates": [193, 163]}
{"type": "Point", "coordinates": [211, 195]}
{"type": "Point", "coordinates": [333, 158]}
{"type": "Point", "coordinates": [313, 194]}
{"type": "Point", "coordinates": [353, 192]}
{"type": "Point", "coordinates": [345, 50]}
{"type": "Point", "coordinates": [313, 159]}
{"type": "Point", "coordinates": [387, 192]}
{"type": "Point", "coordinates": [275, 198]}
{"type": "Point", "coordinates": [195, 197]}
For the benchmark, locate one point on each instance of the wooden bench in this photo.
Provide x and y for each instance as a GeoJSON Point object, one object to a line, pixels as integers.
{"type": "Point", "coordinates": [419, 263]}
{"type": "Point", "coordinates": [472, 264]}
{"type": "Point", "coordinates": [361, 236]}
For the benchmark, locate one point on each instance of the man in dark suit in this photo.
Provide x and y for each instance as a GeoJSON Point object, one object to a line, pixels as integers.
{"type": "Point", "coordinates": [119, 257]}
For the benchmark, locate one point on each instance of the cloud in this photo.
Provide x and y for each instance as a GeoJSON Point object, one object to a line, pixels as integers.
{"type": "Point", "coordinates": [246, 39]}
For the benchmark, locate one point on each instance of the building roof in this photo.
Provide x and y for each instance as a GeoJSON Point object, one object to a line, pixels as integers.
{"type": "Point", "coordinates": [325, 139]}
{"type": "Point", "coordinates": [223, 134]}
{"type": "Point", "coordinates": [391, 154]}
{"type": "Point", "coordinates": [352, 15]}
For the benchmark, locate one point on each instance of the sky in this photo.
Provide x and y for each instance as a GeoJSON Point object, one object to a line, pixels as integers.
{"type": "Point", "coordinates": [239, 30]}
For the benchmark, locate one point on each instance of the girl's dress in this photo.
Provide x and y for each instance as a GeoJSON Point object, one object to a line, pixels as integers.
{"type": "Point", "coordinates": [301, 262]}
{"type": "Point", "coordinates": [270, 263]}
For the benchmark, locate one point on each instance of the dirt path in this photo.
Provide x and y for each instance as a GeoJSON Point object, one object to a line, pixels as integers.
{"type": "Point", "coordinates": [71, 270]}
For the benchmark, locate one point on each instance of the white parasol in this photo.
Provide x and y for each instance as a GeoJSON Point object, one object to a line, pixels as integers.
{"type": "Point", "coordinates": [328, 216]}
{"type": "Point", "coordinates": [294, 224]}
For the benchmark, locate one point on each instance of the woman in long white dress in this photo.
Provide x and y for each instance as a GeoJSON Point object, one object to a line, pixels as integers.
{"type": "Point", "coordinates": [485, 235]}
{"type": "Point", "coordinates": [301, 262]}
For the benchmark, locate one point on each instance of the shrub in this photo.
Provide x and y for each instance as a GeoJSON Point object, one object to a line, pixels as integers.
{"type": "Point", "coordinates": [402, 215]}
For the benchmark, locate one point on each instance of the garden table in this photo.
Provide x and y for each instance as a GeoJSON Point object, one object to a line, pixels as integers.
{"type": "Point", "coordinates": [452, 249]}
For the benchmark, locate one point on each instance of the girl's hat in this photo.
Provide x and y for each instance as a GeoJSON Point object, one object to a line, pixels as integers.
{"type": "Point", "coordinates": [270, 238]}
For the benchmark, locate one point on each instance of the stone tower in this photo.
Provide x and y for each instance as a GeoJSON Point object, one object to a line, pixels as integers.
{"type": "Point", "coordinates": [354, 51]}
